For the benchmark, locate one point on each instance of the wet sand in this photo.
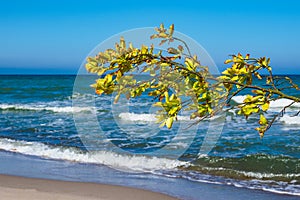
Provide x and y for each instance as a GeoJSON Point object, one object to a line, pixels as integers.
{"type": "Point", "coordinates": [13, 187]}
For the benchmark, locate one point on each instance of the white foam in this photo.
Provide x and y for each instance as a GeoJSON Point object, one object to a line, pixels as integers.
{"type": "Point", "coordinates": [67, 109]}
{"type": "Point", "coordinates": [290, 120]}
{"type": "Point", "coordinates": [267, 175]}
{"type": "Point", "coordinates": [278, 187]}
{"type": "Point", "coordinates": [150, 117]}
{"type": "Point", "coordinates": [279, 103]}
{"type": "Point", "coordinates": [137, 117]}
{"type": "Point", "coordinates": [115, 160]}
{"type": "Point", "coordinates": [281, 192]}
{"type": "Point", "coordinates": [239, 98]}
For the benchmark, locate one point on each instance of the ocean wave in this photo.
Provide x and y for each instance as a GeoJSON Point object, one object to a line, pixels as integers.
{"type": "Point", "coordinates": [166, 167]}
{"type": "Point", "coordinates": [58, 109]}
{"type": "Point", "coordinates": [146, 117]}
{"type": "Point", "coordinates": [290, 120]}
{"type": "Point", "coordinates": [259, 166]}
{"type": "Point", "coordinates": [114, 160]}
{"type": "Point", "coordinates": [275, 173]}
{"type": "Point", "coordinates": [279, 187]}
{"type": "Point", "coordinates": [142, 117]}
{"type": "Point", "coordinates": [138, 117]}
{"type": "Point", "coordinates": [279, 103]}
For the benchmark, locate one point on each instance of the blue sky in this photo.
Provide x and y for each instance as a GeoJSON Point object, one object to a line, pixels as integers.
{"type": "Point", "coordinates": [56, 36]}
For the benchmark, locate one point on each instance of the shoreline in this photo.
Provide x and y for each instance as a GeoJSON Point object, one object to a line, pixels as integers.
{"type": "Point", "coordinates": [16, 187]}
{"type": "Point", "coordinates": [15, 166]}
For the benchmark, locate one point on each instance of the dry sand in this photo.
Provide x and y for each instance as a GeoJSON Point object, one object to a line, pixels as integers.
{"type": "Point", "coordinates": [13, 188]}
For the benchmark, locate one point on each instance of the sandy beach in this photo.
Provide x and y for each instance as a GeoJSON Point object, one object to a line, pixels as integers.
{"type": "Point", "coordinates": [13, 187]}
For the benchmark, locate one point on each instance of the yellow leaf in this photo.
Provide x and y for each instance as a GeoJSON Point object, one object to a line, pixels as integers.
{"type": "Point", "coordinates": [119, 75]}
{"type": "Point", "coordinates": [164, 64]}
{"type": "Point", "coordinates": [154, 36]}
{"type": "Point", "coordinates": [152, 72]}
{"type": "Point", "coordinates": [227, 61]}
{"type": "Point", "coordinates": [169, 122]}
{"type": "Point", "coordinates": [256, 98]}
{"type": "Point", "coordinates": [262, 120]}
{"type": "Point", "coordinates": [194, 115]}
{"type": "Point", "coordinates": [171, 30]}
{"type": "Point", "coordinates": [243, 71]}
{"type": "Point", "coordinates": [259, 92]}
{"type": "Point", "coordinates": [162, 35]}
{"type": "Point", "coordinates": [257, 75]}
{"type": "Point", "coordinates": [122, 43]}
{"type": "Point", "coordinates": [173, 110]}
{"type": "Point", "coordinates": [226, 72]}
{"type": "Point", "coordinates": [161, 26]}
{"type": "Point", "coordinates": [189, 64]}
{"type": "Point", "coordinates": [144, 49]}
{"type": "Point", "coordinates": [162, 124]}
{"type": "Point", "coordinates": [195, 57]}
{"type": "Point", "coordinates": [265, 106]}
{"type": "Point", "coordinates": [99, 92]}
{"type": "Point", "coordinates": [158, 104]}
{"type": "Point", "coordinates": [172, 97]}
{"type": "Point", "coordinates": [167, 96]}
{"type": "Point", "coordinates": [117, 98]}
{"type": "Point", "coordinates": [109, 78]}
{"type": "Point", "coordinates": [235, 78]}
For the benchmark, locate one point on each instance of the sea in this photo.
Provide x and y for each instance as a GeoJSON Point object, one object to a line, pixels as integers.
{"type": "Point", "coordinates": [55, 126]}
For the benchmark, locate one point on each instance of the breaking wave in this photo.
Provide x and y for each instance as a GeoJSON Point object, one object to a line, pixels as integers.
{"type": "Point", "coordinates": [279, 103]}
{"type": "Point", "coordinates": [57, 109]}
{"type": "Point", "coordinates": [146, 117]}
{"type": "Point", "coordinates": [114, 160]}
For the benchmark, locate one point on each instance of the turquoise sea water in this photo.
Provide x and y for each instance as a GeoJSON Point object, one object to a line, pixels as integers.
{"type": "Point", "coordinates": [47, 117]}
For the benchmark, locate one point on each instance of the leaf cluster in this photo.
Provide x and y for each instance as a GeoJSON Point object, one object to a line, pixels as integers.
{"type": "Point", "coordinates": [177, 80]}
